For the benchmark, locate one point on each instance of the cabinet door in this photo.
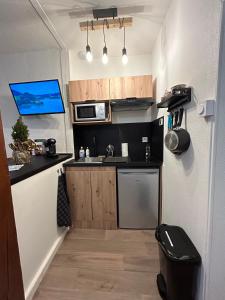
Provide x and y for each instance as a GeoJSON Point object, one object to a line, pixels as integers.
{"type": "Point", "coordinates": [104, 205]}
{"type": "Point", "coordinates": [84, 90]}
{"type": "Point", "coordinates": [79, 190]}
{"type": "Point", "coordinates": [131, 87]}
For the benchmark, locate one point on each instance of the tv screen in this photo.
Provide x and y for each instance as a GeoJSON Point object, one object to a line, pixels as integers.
{"type": "Point", "coordinates": [38, 97]}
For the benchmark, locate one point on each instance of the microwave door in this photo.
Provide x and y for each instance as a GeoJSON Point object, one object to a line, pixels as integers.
{"type": "Point", "coordinates": [85, 112]}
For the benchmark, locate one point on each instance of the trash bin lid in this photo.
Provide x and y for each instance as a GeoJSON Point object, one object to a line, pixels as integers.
{"type": "Point", "coordinates": [176, 244]}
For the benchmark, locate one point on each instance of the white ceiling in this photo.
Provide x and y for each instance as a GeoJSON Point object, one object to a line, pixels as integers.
{"type": "Point", "coordinates": [148, 16]}
{"type": "Point", "coordinates": [21, 29]}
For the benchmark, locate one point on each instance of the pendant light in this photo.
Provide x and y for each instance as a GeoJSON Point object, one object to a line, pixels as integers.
{"type": "Point", "coordinates": [89, 56]}
{"type": "Point", "coordinates": [124, 50]}
{"type": "Point", "coordinates": [105, 58]}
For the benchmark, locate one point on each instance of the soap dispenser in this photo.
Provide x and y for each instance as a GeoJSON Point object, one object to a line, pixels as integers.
{"type": "Point", "coordinates": [81, 153]}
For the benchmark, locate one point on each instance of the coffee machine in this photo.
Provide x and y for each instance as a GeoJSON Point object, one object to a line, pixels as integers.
{"type": "Point", "coordinates": [50, 147]}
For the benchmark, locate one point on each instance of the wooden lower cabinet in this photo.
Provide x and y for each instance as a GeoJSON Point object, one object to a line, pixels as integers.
{"type": "Point", "coordinates": [79, 190]}
{"type": "Point", "coordinates": [92, 193]}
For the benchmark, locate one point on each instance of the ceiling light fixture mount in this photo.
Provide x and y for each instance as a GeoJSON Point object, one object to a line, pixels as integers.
{"type": "Point", "coordinates": [105, 13]}
{"type": "Point", "coordinates": [112, 24]}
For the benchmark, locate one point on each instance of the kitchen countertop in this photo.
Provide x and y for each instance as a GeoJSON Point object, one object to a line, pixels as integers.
{"type": "Point", "coordinates": [37, 165]}
{"type": "Point", "coordinates": [153, 163]}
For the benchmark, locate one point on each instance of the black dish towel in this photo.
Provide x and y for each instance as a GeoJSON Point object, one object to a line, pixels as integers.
{"type": "Point", "coordinates": [63, 204]}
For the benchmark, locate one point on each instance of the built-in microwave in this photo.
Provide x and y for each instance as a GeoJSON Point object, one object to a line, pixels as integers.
{"type": "Point", "coordinates": [96, 111]}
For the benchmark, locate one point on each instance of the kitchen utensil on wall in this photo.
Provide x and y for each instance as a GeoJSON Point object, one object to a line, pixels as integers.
{"type": "Point", "coordinates": [177, 140]}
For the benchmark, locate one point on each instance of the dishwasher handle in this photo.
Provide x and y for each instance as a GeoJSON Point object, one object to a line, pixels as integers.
{"type": "Point", "coordinates": [138, 173]}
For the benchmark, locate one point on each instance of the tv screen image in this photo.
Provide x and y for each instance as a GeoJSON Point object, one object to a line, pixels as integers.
{"type": "Point", "coordinates": [38, 97]}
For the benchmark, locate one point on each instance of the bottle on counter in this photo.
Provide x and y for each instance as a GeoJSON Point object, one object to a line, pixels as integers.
{"type": "Point", "coordinates": [87, 152]}
{"type": "Point", "coordinates": [81, 153]}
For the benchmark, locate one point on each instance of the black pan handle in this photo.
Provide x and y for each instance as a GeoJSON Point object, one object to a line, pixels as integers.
{"type": "Point", "coordinates": [181, 113]}
{"type": "Point", "coordinates": [176, 119]}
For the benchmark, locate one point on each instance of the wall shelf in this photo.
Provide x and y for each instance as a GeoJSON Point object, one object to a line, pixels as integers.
{"type": "Point", "coordinates": [175, 100]}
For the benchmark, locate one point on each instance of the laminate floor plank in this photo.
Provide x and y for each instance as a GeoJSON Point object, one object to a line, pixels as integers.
{"type": "Point", "coordinates": [56, 294]}
{"type": "Point", "coordinates": [103, 264]}
{"type": "Point", "coordinates": [108, 246]}
{"type": "Point", "coordinates": [94, 280]}
{"type": "Point", "coordinates": [141, 263]}
{"type": "Point", "coordinates": [130, 235]}
{"type": "Point", "coordinates": [91, 234]}
{"type": "Point", "coordinates": [90, 260]}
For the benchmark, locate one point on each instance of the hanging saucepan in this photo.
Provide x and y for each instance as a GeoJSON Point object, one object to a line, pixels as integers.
{"type": "Point", "coordinates": [178, 140]}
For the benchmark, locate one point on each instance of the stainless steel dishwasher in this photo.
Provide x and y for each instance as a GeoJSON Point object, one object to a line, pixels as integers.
{"type": "Point", "coordinates": [138, 197]}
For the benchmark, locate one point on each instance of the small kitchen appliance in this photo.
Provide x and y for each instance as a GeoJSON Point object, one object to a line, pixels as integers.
{"type": "Point", "coordinates": [96, 111]}
{"type": "Point", "coordinates": [138, 198]}
{"type": "Point", "coordinates": [50, 145]}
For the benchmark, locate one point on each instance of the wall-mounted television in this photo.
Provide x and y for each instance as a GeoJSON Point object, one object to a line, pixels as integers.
{"type": "Point", "coordinates": [38, 97]}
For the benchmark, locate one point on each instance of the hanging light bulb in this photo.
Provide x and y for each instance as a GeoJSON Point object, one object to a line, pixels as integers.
{"type": "Point", "coordinates": [105, 58]}
{"type": "Point", "coordinates": [89, 56]}
{"type": "Point", "coordinates": [124, 50]}
{"type": "Point", "coordinates": [124, 56]}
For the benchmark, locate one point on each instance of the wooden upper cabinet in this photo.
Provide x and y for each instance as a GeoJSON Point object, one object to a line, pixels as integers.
{"type": "Point", "coordinates": [93, 89]}
{"type": "Point", "coordinates": [131, 87]}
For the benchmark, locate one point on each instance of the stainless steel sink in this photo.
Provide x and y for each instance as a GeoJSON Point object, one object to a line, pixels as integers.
{"type": "Point", "coordinates": [91, 160]}
{"type": "Point", "coordinates": [116, 159]}
{"type": "Point", "coordinates": [100, 160]}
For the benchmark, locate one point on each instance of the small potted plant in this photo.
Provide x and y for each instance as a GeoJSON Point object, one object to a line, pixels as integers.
{"type": "Point", "coordinates": [22, 146]}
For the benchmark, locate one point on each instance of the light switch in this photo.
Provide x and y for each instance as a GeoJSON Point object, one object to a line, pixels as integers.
{"type": "Point", "coordinates": [207, 108]}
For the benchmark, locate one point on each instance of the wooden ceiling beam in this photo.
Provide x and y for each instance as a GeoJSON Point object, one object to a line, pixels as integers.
{"type": "Point", "coordinates": [109, 23]}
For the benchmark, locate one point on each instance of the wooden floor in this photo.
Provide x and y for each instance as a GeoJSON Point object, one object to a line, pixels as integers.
{"type": "Point", "coordinates": [103, 264]}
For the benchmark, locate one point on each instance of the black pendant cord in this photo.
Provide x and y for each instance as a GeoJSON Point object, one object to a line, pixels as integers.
{"type": "Point", "coordinates": [124, 37]}
{"type": "Point", "coordinates": [104, 32]}
{"type": "Point", "coordinates": [87, 34]}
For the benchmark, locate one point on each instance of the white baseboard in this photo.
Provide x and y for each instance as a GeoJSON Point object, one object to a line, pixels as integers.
{"type": "Point", "coordinates": [30, 291]}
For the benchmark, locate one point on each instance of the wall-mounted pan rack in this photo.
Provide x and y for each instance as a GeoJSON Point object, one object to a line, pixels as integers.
{"type": "Point", "coordinates": [176, 98]}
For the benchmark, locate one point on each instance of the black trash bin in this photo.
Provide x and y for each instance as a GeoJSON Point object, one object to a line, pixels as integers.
{"type": "Point", "coordinates": [179, 264]}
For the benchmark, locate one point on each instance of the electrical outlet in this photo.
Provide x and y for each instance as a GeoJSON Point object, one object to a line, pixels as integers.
{"type": "Point", "coordinates": [144, 139]}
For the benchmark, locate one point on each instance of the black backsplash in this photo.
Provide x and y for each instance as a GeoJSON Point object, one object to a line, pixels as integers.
{"type": "Point", "coordinates": [157, 138]}
{"type": "Point", "coordinates": [97, 137]}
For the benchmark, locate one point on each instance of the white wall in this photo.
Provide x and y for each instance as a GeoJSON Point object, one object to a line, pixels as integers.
{"type": "Point", "coordinates": [137, 65]}
{"type": "Point", "coordinates": [35, 203]}
{"type": "Point", "coordinates": [81, 69]}
{"type": "Point", "coordinates": [186, 51]}
{"type": "Point", "coordinates": [31, 66]}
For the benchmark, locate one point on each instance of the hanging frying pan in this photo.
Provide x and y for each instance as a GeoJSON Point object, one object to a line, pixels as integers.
{"type": "Point", "coordinates": [178, 139]}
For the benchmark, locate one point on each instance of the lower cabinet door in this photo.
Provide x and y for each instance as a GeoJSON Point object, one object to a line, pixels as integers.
{"type": "Point", "coordinates": [103, 184]}
{"type": "Point", "coordinates": [79, 190]}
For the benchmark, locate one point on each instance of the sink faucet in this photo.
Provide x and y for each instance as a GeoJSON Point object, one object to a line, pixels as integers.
{"type": "Point", "coordinates": [110, 150]}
